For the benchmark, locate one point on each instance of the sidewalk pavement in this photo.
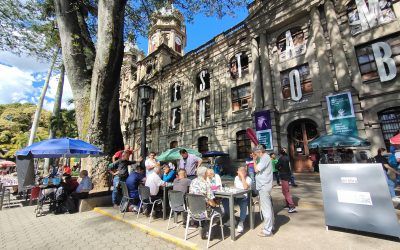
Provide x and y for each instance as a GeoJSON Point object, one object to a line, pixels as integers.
{"type": "Point", "coordinates": [303, 230]}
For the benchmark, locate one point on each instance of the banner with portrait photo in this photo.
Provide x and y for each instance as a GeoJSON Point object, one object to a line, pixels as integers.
{"type": "Point", "coordinates": [264, 128]}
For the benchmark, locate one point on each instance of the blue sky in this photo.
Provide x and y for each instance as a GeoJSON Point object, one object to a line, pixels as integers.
{"type": "Point", "coordinates": [21, 78]}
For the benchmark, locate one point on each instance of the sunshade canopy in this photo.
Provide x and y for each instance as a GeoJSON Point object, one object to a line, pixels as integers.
{"type": "Point", "coordinates": [173, 154]}
{"type": "Point", "coordinates": [337, 141]}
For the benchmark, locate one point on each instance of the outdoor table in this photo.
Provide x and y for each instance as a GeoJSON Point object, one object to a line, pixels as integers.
{"type": "Point", "coordinates": [3, 190]}
{"type": "Point", "coordinates": [231, 195]}
{"type": "Point", "coordinates": [165, 200]}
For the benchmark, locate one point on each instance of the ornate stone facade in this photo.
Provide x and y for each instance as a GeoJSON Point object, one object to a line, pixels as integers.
{"type": "Point", "coordinates": [285, 57]}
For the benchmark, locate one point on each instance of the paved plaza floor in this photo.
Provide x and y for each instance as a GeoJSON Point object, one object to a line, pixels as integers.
{"type": "Point", "coordinates": [20, 229]}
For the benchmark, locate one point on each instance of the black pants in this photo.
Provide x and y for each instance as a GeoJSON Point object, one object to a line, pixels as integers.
{"type": "Point", "coordinates": [72, 202]}
{"type": "Point", "coordinates": [276, 177]}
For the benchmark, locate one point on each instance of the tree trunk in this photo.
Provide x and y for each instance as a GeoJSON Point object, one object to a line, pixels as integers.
{"type": "Point", "coordinates": [105, 129]}
{"type": "Point", "coordinates": [78, 57]}
{"type": "Point", "coordinates": [55, 116]}
{"type": "Point", "coordinates": [94, 83]}
{"type": "Point", "coordinates": [39, 106]}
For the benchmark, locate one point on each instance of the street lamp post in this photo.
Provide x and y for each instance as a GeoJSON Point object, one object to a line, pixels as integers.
{"type": "Point", "coordinates": [145, 93]}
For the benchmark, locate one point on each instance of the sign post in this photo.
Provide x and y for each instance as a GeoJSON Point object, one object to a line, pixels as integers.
{"type": "Point", "coordinates": [356, 196]}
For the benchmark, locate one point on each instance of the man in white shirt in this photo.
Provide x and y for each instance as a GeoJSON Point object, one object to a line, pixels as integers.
{"type": "Point", "coordinates": [151, 163]}
{"type": "Point", "coordinates": [154, 182]}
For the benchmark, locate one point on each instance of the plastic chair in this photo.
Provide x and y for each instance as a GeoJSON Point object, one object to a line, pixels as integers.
{"type": "Point", "coordinates": [197, 210]}
{"type": "Point", "coordinates": [176, 202]}
{"type": "Point", "coordinates": [125, 198]}
{"type": "Point", "coordinates": [145, 199]}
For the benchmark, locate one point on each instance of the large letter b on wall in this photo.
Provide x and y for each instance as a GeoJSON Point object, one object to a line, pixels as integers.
{"type": "Point", "coordinates": [384, 61]}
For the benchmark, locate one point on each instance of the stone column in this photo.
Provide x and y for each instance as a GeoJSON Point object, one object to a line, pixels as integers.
{"type": "Point", "coordinates": [266, 73]}
{"type": "Point", "coordinates": [325, 73]}
{"type": "Point", "coordinates": [255, 61]}
{"type": "Point", "coordinates": [335, 37]}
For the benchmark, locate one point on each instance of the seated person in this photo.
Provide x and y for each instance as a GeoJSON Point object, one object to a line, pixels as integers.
{"type": "Point", "coordinates": [214, 179]}
{"type": "Point", "coordinates": [133, 181]}
{"type": "Point", "coordinates": [85, 185]}
{"type": "Point", "coordinates": [169, 174]}
{"type": "Point", "coordinates": [182, 183]}
{"type": "Point", "coordinates": [201, 186]}
{"type": "Point", "coordinates": [69, 184]}
{"type": "Point", "coordinates": [154, 182]}
{"type": "Point", "coordinates": [242, 181]}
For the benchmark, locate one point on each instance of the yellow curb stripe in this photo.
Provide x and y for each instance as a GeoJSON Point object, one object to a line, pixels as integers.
{"type": "Point", "coordinates": [167, 237]}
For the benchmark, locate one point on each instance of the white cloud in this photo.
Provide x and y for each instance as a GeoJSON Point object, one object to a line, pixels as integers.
{"type": "Point", "coordinates": [23, 62]}
{"type": "Point", "coordinates": [15, 85]}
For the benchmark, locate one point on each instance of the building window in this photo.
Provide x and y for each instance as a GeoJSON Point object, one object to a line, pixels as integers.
{"type": "Point", "coordinates": [367, 63]}
{"type": "Point", "coordinates": [134, 73]}
{"type": "Point", "coordinates": [243, 145]}
{"type": "Point", "coordinates": [363, 16]}
{"type": "Point", "coordinates": [203, 80]}
{"type": "Point", "coordinates": [203, 144]}
{"type": "Point", "coordinates": [150, 68]}
{"type": "Point", "coordinates": [390, 123]}
{"type": "Point", "coordinates": [175, 92]}
{"type": "Point", "coordinates": [203, 111]}
{"type": "Point", "coordinates": [241, 97]}
{"type": "Point", "coordinates": [178, 44]}
{"type": "Point", "coordinates": [290, 82]}
{"type": "Point", "coordinates": [291, 44]}
{"type": "Point", "coordinates": [239, 64]}
{"type": "Point", "coordinates": [175, 118]}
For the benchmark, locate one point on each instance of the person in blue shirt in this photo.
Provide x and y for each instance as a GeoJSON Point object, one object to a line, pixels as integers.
{"type": "Point", "coordinates": [133, 181]}
{"type": "Point", "coordinates": [169, 174]}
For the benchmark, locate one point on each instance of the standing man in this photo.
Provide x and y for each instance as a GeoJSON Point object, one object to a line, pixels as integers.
{"type": "Point", "coordinates": [119, 170]}
{"type": "Point", "coordinates": [285, 173]}
{"type": "Point", "coordinates": [264, 178]}
{"type": "Point", "coordinates": [190, 163]}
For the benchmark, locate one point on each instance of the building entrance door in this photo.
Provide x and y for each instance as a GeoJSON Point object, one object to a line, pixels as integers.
{"type": "Point", "coordinates": [300, 132]}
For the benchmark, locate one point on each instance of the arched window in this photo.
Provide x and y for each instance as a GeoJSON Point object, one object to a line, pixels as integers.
{"type": "Point", "coordinates": [238, 65]}
{"type": "Point", "coordinates": [203, 144]}
{"type": "Point", "coordinates": [203, 80]}
{"type": "Point", "coordinates": [178, 44]}
{"type": "Point", "coordinates": [363, 16]}
{"type": "Point", "coordinates": [243, 145]}
{"type": "Point", "coordinates": [390, 123]}
{"type": "Point", "coordinates": [175, 92]}
{"type": "Point", "coordinates": [173, 144]}
{"type": "Point", "coordinates": [291, 43]}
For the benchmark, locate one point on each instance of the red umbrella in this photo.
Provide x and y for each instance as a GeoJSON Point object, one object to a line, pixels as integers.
{"type": "Point", "coordinates": [5, 164]}
{"type": "Point", "coordinates": [395, 140]}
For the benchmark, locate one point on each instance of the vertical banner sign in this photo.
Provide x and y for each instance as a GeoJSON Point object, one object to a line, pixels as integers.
{"type": "Point", "coordinates": [341, 114]}
{"type": "Point", "coordinates": [264, 128]}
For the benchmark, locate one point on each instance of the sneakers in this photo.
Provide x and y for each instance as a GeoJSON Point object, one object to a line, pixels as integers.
{"type": "Point", "coordinates": [240, 227]}
{"type": "Point", "coordinates": [263, 234]}
{"type": "Point", "coordinates": [292, 210]}
{"type": "Point", "coordinates": [396, 199]}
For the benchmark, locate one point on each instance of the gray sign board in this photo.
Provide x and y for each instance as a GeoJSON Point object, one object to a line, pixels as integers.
{"type": "Point", "coordinates": [356, 196]}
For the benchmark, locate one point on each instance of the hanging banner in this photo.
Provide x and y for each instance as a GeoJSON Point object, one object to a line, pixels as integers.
{"type": "Point", "coordinates": [341, 114]}
{"type": "Point", "coordinates": [264, 128]}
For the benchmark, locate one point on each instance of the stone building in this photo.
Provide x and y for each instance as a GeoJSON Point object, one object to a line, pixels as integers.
{"type": "Point", "coordinates": [286, 57]}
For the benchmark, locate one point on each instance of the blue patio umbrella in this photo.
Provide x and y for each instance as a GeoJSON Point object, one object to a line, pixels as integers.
{"type": "Point", "coordinates": [338, 141]}
{"type": "Point", "coordinates": [61, 147]}
{"type": "Point", "coordinates": [215, 154]}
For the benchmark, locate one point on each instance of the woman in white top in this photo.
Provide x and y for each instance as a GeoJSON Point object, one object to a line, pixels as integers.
{"type": "Point", "coordinates": [242, 181]}
{"type": "Point", "coordinates": [213, 178]}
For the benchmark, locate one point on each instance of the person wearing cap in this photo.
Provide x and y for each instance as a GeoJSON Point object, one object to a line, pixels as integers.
{"type": "Point", "coordinates": [264, 179]}
{"type": "Point", "coordinates": [169, 174]}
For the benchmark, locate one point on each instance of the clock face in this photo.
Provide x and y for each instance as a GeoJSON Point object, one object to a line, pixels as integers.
{"type": "Point", "coordinates": [178, 40]}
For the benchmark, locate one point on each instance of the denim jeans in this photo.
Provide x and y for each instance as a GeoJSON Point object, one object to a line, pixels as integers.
{"type": "Point", "coordinates": [242, 202]}
{"type": "Point", "coordinates": [115, 195]}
